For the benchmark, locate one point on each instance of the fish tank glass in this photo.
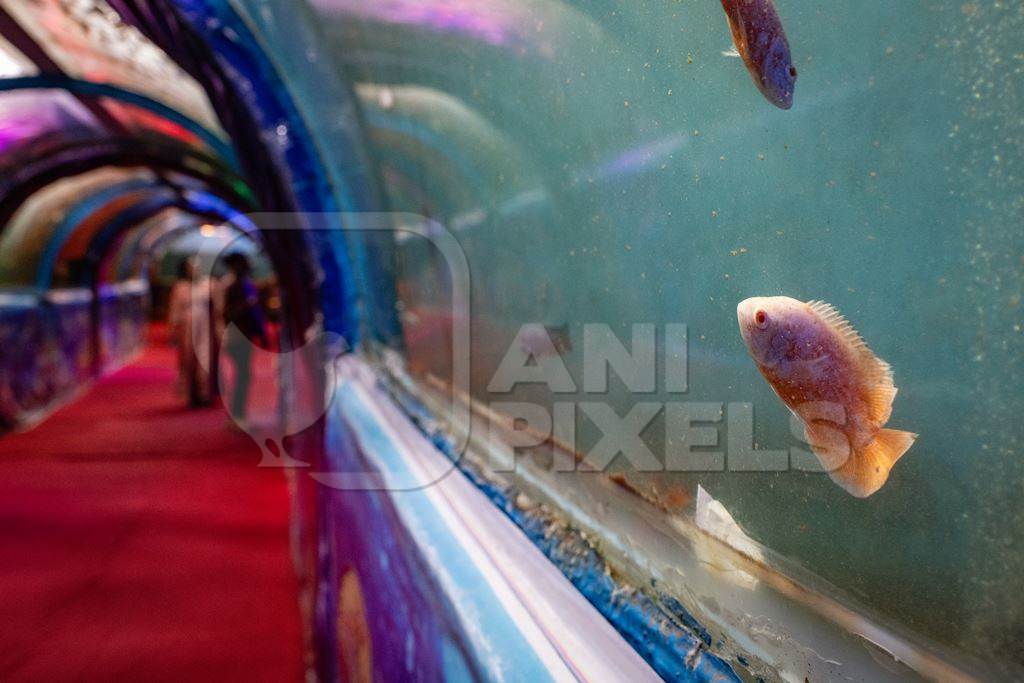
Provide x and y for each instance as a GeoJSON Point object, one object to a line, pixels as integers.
{"type": "Point", "coordinates": [617, 183]}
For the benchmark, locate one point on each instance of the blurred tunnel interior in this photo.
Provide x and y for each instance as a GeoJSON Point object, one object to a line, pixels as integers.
{"type": "Point", "coordinates": [386, 340]}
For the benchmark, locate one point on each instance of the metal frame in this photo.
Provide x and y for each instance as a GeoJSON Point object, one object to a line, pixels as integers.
{"type": "Point", "coordinates": [86, 89]}
{"type": "Point", "coordinates": [75, 216]}
{"type": "Point", "coordinates": [33, 168]}
{"type": "Point", "coordinates": [193, 202]}
{"type": "Point", "coordinates": [522, 617]}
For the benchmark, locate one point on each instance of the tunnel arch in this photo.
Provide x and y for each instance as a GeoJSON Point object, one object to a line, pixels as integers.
{"type": "Point", "coordinates": [38, 168]}
{"type": "Point", "coordinates": [115, 192]}
{"type": "Point", "coordinates": [193, 203]}
{"type": "Point", "coordinates": [196, 37]}
{"type": "Point", "coordinates": [212, 140]}
{"type": "Point", "coordinates": [139, 244]}
{"type": "Point", "coordinates": [192, 167]}
{"type": "Point", "coordinates": [211, 41]}
{"type": "Point", "coordinates": [93, 210]}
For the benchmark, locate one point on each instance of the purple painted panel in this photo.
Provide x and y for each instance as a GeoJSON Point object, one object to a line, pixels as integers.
{"type": "Point", "coordinates": [46, 347]}
{"type": "Point", "coordinates": [378, 614]}
{"type": "Point", "coordinates": [122, 318]}
{"type": "Point", "coordinates": [36, 369]}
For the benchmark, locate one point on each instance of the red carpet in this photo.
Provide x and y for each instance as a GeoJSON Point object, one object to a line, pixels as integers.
{"type": "Point", "coordinates": [139, 541]}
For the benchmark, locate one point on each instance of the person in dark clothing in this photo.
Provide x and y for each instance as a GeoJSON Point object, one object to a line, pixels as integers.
{"type": "Point", "coordinates": [242, 309]}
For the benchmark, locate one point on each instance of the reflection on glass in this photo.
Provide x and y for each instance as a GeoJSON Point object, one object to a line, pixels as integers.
{"type": "Point", "coordinates": [606, 163]}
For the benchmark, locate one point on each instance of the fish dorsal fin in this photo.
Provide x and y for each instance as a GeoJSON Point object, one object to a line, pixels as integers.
{"type": "Point", "coordinates": [882, 389]}
{"type": "Point", "coordinates": [837, 322]}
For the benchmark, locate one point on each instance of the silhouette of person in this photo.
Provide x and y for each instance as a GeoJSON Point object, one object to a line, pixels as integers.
{"type": "Point", "coordinates": [188, 321]}
{"type": "Point", "coordinates": [242, 308]}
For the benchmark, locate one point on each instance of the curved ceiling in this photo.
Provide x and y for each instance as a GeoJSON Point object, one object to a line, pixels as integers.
{"type": "Point", "coordinates": [99, 132]}
{"type": "Point", "coordinates": [91, 86]}
{"type": "Point", "coordinates": [87, 40]}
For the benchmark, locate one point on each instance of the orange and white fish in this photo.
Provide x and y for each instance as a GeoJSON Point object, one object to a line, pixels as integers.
{"type": "Point", "coordinates": [825, 373]}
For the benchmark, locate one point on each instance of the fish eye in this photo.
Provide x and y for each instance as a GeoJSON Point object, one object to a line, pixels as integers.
{"type": "Point", "coordinates": [792, 71]}
{"type": "Point", "coordinates": [761, 319]}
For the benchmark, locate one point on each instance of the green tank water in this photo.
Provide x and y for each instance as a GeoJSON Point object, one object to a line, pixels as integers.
{"type": "Point", "coordinates": [611, 162]}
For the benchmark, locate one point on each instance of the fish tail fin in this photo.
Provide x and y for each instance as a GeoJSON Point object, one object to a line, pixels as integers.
{"type": "Point", "coordinates": [868, 469]}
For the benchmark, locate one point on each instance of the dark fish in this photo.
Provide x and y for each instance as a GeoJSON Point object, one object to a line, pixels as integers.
{"type": "Point", "coordinates": [761, 42]}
